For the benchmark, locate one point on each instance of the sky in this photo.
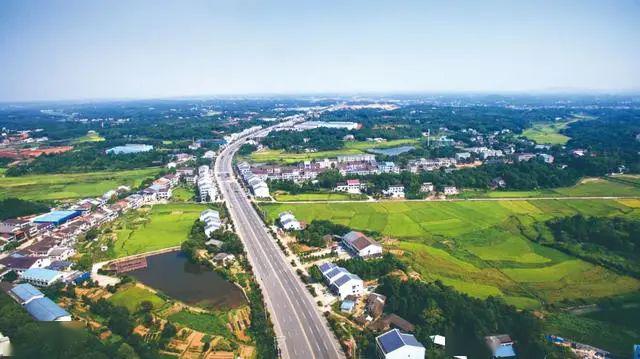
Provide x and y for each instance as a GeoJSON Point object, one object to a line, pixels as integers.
{"type": "Point", "coordinates": [86, 49]}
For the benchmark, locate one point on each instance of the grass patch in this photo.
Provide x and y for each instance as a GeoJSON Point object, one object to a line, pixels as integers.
{"type": "Point", "coordinates": [350, 148]}
{"type": "Point", "coordinates": [132, 296]}
{"type": "Point", "coordinates": [71, 185]}
{"type": "Point", "coordinates": [209, 323]}
{"type": "Point", "coordinates": [183, 194]}
{"type": "Point", "coordinates": [158, 227]}
{"type": "Point", "coordinates": [328, 196]}
{"type": "Point", "coordinates": [91, 136]}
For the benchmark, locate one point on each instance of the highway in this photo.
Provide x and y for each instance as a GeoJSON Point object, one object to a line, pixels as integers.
{"type": "Point", "coordinates": [302, 331]}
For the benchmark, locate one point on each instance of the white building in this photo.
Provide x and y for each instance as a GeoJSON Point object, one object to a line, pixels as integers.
{"type": "Point", "coordinates": [261, 190]}
{"type": "Point", "coordinates": [289, 222]}
{"type": "Point", "coordinates": [211, 219]}
{"type": "Point", "coordinates": [397, 345]}
{"type": "Point", "coordinates": [451, 191]}
{"type": "Point", "coordinates": [356, 158]}
{"type": "Point", "coordinates": [361, 245]}
{"type": "Point", "coordinates": [340, 281]}
{"type": "Point", "coordinates": [388, 167]}
{"type": "Point", "coordinates": [41, 277]}
{"type": "Point", "coordinates": [427, 187]}
{"type": "Point", "coordinates": [5, 346]}
{"type": "Point", "coordinates": [394, 191]}
{"type": "Point", "coordinates": [350, 186]}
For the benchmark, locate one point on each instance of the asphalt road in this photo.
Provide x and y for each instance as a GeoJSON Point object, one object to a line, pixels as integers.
{"type": "Point", "coordinates": [302, 331]}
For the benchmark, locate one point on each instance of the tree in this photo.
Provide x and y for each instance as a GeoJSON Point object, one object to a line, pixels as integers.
{"type": "Point", "coordinates": [125, 351]}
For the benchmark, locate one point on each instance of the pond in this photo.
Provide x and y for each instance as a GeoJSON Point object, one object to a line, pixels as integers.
{"type": "Point", "coordinates": [393, 151]}
{"type": "Point", "coordinates": [174, 275]}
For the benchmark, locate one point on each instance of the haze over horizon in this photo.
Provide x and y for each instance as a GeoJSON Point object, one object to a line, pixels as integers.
{"type": "Point", "coordinates": [112, 50]}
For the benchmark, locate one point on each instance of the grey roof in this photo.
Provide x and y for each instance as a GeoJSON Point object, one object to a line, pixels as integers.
{"type": "Point", "coordinates": [26, 292]}
{"type": "Point", "coordinates": [45, 310]}
{"type": "Point", "coordinates": [394, 339]}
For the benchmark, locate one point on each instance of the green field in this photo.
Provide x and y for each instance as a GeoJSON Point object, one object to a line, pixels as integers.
{"type": "Point", "coordinates": [547, 133]}
{"type": "Point", "coordinates": [350, 148]}
{"type": "Point", "coordinates": [158, 227]}
{"type": "Point", "coordinates": [328, 196]}
{"type": "Point", "coordinates": [183, 194]}
{"type": "Point", "coordinates": [588, 187]}
{"type": "Point", "coordinates": [71, 185]}
{"type": "Point", "coordinates": [132, 296]}
{"type": "Point", "coordinates": [209, 323]}
{"type": "Point", "coordinates": [91, 136]}
{"type": "Point", "coordinates": [480, 247]}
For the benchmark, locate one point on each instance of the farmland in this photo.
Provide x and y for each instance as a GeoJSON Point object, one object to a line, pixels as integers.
{"type": "Point", "coordinates": [318, 196]}
{"type": "Point", "coordinates": [153, 228]}
{"type": "Point", "coordinates": [547, 133]}
{"type": "Point", "coordinates": [350, 148]}
{"type": "Point", "coordinates": [481, 247]}
{"type": "Point", "coordinates": [72, 185]}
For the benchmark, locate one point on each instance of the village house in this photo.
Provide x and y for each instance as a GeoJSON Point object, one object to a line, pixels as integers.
{"type": "Point", "coordinates": [450, 191]}
{"type": "Point", "coordinates": [289, 222]}
{"type": "Point", "coordinates": [41, 277]}
{"type": "Point", "coordinates": [501, 346]}
{"type": "Point", "coordinates": [350, 186]}
{"type": "Point", "coordinates": [396, 345]}
{"type": "Point", "coordinates": [340, 281]}
{"type": "Point", "coordinates": [361, 245]}
{"type": "Point", "coordinates": [395, 191]}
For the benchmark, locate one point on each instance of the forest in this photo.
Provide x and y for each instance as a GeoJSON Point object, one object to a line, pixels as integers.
{"type": "Point", "coordinates": [319, 139]}
{"type": "Point", "coordinates": [14, 207]}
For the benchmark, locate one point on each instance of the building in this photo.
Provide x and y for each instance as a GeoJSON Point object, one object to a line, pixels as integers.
{"type": "Point", "coordinates": [340, 281]}
{"type": "Point", "coordinates": [375, 304]}
{"type": "Point", "coordinates": [461, 156]}
{"type": "Point", "coordinates": [438, 340]}
{"type": "Point", "coordinates": [501, 346]}
{"type": "Point", "coordinates": [547, 158]}
{"type": "Point", "coordinates": [129, 148]}
{"type": "Point", "coordinates": [636, 351]}
{"type": "Point", "coordinates": [5, 346]}
{"type": "Point", "coordinates": [350, 186]}
{"type": "Point", "coordinates": [289, 222]}
{"type": "Point", "coordinates": [395, 345]}
{"type": "Point", "coordinates": [45, 310]}
{"type": "Point", "coordinates": [261, 190]}
{"type": "Point", "coordinates": [356, 158]}
{"type": "Point", "coordinates": [396, 191]}
{"type": "Point", "coordinates": [388, 167]}
{"type": "Point", "coordinates": [450, 191]}
{"type": "Point", "coordinates": [40, 307]}
{"type": "Point", "coordinates": [427, 187]}
{"type": "Point", "coordinates": [361, 245]}
{"type": "Point", "coordinates": [56, 217]}
{"type": "Point", "coordinates": [41, 277]}
{"type": "Point", "coordinates": [347, 306]}
{"type": "Point", "coordinates": [212, 222]}
{"type": "Point", "coordinates": [310, 125]}
{"type": "Point", "coordinates": [224, 258]}
{"type": "Point", "coordinates": [24, 293]}
{"type": "Point", "coordinates": [20, 263]}
{"type": "Point", "coordinates": [523, 157]}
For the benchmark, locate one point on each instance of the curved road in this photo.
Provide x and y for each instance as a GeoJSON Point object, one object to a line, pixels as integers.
{"type": "Point", "coordinates": [301, 329]}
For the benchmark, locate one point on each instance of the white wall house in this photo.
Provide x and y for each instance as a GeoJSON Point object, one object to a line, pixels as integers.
{"type": "Point", "coordinates": [261, 190]}
{"type": "Point", "coordinates": [350, 186]}
{"type": "Point", "coordinates": [451, 191]}
{"type": "Point", "coordinates": [289, 222]}
{"type": "Point", "coordinates": [340, 281]}
{"type": "Point", "coordinates": [394, 192]}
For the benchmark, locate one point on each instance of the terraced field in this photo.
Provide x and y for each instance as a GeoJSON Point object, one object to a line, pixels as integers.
{"type": "Point", "coordinates": [480, 247]}
{"type": "Point", "coordinates": [71, 185]}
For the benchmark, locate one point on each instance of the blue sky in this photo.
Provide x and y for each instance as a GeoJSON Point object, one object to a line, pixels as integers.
{"type": "Point", "coordinates": [139, 49]}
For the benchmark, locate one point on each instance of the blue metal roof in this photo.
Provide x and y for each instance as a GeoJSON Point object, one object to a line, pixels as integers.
{"type": "Point", "coordinates": [25, 292]}
{"type": "Point", "coordinates": [347, 305]}
{"type": "Point", "coordinates": [393, 340]}
{"type": "Point", "coordinates": [390, 341]}
{"type": "Point", "coordinates": [41, 274]}
{"type": "Point", "coordinates": [326, 266]}
{"type": "Point", "coordinates": [45, 310]}
{"type": "Point", "coordinates": [504, 351]}
{"type": "Point", "coordinates": [56, 216]}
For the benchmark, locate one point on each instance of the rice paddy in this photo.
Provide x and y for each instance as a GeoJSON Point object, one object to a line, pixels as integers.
{"type": "Point", "coordinates": [480, 247]}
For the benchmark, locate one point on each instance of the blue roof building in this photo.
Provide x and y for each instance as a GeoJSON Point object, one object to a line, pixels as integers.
{"type": "Point", "coordinates": [636, 351]}
{"type": "Point", "coordinates": [501, 346]}
{"type": "Point", "coordinates": [57, 217]}
{"type": "Point", "coordinates": [395, 344]}
{"type": "Point", "coordinates": [129, 148]}
{"type": "Point", "coordinates": [45, 310]}
{"type": "Point", "coordinates": [41, 277]}
{"type": "Point", "coordinates": [25, 292]}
